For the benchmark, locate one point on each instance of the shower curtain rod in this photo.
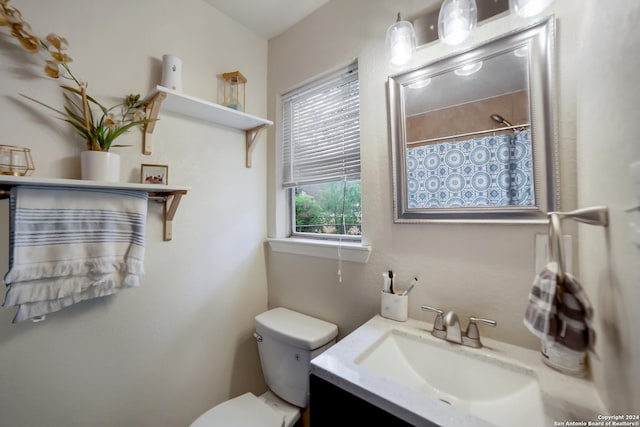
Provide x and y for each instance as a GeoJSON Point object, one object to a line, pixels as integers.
{"type": "Point", "coordinates": [479, 132]}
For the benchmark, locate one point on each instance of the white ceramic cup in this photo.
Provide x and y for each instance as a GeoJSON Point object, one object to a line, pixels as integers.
{"type": "Point", "coordinates": [394, 306]}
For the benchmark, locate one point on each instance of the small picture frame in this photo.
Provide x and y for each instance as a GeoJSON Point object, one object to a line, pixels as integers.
{"type": "Point", "coordinates": [154, 174]}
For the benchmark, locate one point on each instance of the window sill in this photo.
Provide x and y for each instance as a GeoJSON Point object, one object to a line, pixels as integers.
{"type": "Point", "coordinates": [350, 251]}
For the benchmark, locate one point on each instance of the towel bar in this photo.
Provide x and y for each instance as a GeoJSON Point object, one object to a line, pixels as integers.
{"type": "Point", "coordinates": [169, 196]}
{"type": "Point", "coordinates": [596, 215]}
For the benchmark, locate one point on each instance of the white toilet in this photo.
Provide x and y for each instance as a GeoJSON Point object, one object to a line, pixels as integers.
{"type": "Point", "coordinates": [287, 341]}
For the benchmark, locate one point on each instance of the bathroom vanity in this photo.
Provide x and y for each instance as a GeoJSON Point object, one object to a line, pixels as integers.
{"type": "Point", "coordinates": [397, 374]}
{"type": "Point", "coordinates": [331, 405]}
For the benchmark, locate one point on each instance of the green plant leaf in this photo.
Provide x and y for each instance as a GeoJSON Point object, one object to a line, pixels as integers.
{"type": "Point", "coordinates": [122, 129]}
{"type": "Point", "coordinates": [75, 117]}
{"type": "Point", "coordinates": [89, 98]}
{"type": "Point", "coordinates": [43, 104]}
{"type": "Point", "coordinates": [81, 129]}
{"type": "Point", "coordinates": [71, 102]}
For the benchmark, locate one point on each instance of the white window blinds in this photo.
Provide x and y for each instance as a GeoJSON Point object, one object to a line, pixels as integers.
{"type": "Point", "coordinates": [321, 131]}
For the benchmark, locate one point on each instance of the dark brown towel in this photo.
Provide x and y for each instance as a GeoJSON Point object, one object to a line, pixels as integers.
{"type": "Point", "coordinates": [560, 311]}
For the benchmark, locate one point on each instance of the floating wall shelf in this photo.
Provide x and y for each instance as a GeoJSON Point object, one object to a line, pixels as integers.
{"type": "Point", "coordinates": [190, 106]}
{"type": "Point", "coordinates": [169, 195]}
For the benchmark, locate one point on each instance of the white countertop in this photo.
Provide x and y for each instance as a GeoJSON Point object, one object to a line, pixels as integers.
{"type": "Point", "coordinates": [565, 398]}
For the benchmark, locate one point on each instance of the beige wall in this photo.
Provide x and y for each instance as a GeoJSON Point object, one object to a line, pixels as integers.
{"type": "Point", "coordinates": [161, 354]}
{"type": "Point", "coordinates": [481, 270]}
{"type": "Point", "coordinates": [608, 129]}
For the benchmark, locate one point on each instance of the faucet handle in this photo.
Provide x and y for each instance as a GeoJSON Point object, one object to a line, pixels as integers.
{"type": "Point", "coordinates": [438, 325]}
{"type": "Point", "coordinates": [471, 337]}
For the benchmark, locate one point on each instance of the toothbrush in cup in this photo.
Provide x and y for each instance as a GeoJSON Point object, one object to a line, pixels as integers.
{"type": "Point", "coordinates": [411, 286]}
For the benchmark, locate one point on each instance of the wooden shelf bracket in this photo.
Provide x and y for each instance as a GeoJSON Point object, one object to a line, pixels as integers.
{"type": "Point", "coordinates": [250, 138]}
{"type": "Point", "coordinates": [171, 202]}
{"type": "Point", "coordinates": [189, 106]}
{"type": "Point", "coordinates": [152, 109]}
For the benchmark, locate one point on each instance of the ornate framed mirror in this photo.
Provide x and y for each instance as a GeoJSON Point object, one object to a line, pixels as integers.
{"type": "Point", "coordinates": [474, 134]}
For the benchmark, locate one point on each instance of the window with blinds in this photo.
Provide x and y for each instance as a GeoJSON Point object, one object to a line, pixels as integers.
{"type": "Point", "coordinates": [321, 155]}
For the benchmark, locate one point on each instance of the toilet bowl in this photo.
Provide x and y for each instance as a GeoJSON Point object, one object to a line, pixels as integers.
{"type": "Point", "coordinates": [248, 410]}
{"type": "Point", "coordinates": [287, 341]}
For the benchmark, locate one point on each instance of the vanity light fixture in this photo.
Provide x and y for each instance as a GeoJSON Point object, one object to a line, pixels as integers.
{"type": "Point", "coordinates": [528, 8]}
{"type": "Point", "coordinates": [400, 43]}
{"type": "Point", "coordinates": [456, 21]}
{"type": "Point", "coordinates": [468, 69]}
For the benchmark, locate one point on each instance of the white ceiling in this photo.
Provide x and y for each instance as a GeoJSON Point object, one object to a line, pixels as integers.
{"type": "Point", "coordinates": [267, 18]}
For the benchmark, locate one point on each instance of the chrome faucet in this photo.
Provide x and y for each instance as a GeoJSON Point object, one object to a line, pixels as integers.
{"type": "Point", "coordinates": [447, 327]}
{"type": "Point", "coordinates": [471, 336]}
{"type": "Point", "coordinates": [452, 326]}
{"type": "Point", "coordinates": [438, 330]}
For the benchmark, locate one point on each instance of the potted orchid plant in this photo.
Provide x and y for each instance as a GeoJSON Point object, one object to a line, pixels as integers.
{"type": "Point", "coordinates": [98, 125]}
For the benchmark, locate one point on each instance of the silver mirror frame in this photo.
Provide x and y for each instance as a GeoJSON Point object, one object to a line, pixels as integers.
{"type": "Point", "coordinates": [540, 39]}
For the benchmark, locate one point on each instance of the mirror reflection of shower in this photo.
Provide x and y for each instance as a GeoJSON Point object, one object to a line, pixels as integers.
{"type": "Point", "coordinates": [499, 119]}
{"type": "Point", "coordinates": [504, 122]}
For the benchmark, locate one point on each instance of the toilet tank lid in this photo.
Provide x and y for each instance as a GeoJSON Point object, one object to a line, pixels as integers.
{"type": "Point", "coordinates": [296, 328]}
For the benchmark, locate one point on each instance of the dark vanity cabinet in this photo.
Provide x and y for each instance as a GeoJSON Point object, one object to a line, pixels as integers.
{"type": "Point", "coordinates": [331, 406]}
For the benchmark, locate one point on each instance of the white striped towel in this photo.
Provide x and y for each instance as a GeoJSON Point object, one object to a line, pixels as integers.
{"type": "Point", "coordinates": [71, 244]}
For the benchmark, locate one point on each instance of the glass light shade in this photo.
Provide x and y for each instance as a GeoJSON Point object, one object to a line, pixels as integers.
{"type": "Point", "coordinates": [456, 21]}
{"type": "Point", "coordinates": [528, 8]}
{"type": "Point", "coordinates": [400, 43]}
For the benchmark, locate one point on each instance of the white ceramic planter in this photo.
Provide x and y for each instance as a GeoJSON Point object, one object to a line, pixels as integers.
{"type": "Point", "coordinates": [100, 166]}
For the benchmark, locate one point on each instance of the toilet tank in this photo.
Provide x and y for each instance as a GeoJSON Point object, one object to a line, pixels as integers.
{"type": "Point", "coordinates": [287, 341]}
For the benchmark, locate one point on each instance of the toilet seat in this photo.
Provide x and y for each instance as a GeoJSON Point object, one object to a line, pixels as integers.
{"type": "Point", "coordinates": [242, 411]}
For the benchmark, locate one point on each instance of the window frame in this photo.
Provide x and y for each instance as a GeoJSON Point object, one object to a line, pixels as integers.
{"type": "Point", "coordinates": [291, 189]}
{"type": "Point", "coordinates": [320, 236]}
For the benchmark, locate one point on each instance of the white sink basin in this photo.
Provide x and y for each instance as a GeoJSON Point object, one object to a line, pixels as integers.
{"type": "Point", "coordinates": [425, 381]}
{"type": "Point", "coordinates": [494, 390]}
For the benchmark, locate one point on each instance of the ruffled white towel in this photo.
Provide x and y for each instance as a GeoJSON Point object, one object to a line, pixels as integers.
{"type": "Point", "coordinates": [72, 244]}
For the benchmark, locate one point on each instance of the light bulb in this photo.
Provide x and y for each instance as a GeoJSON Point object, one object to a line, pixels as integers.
{"type": "Point", "coordinates": [522, 52]}
{"type": "Point", "coordinates": [468, 69]}
{"type": "Point", "coordinates": [420, 84]}
{"type": "Point", "coordinates": [456, 21]}
{"type": "Point", "coordinates": [456, 32]}
{"type": "Point", "coordinates": [528, 8]}
{"type": "Point", "coordinates": [400, 43]}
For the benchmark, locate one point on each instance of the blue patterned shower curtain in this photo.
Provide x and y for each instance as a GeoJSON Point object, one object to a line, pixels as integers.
{"type": "Point", "coordinates": [488, 171]}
